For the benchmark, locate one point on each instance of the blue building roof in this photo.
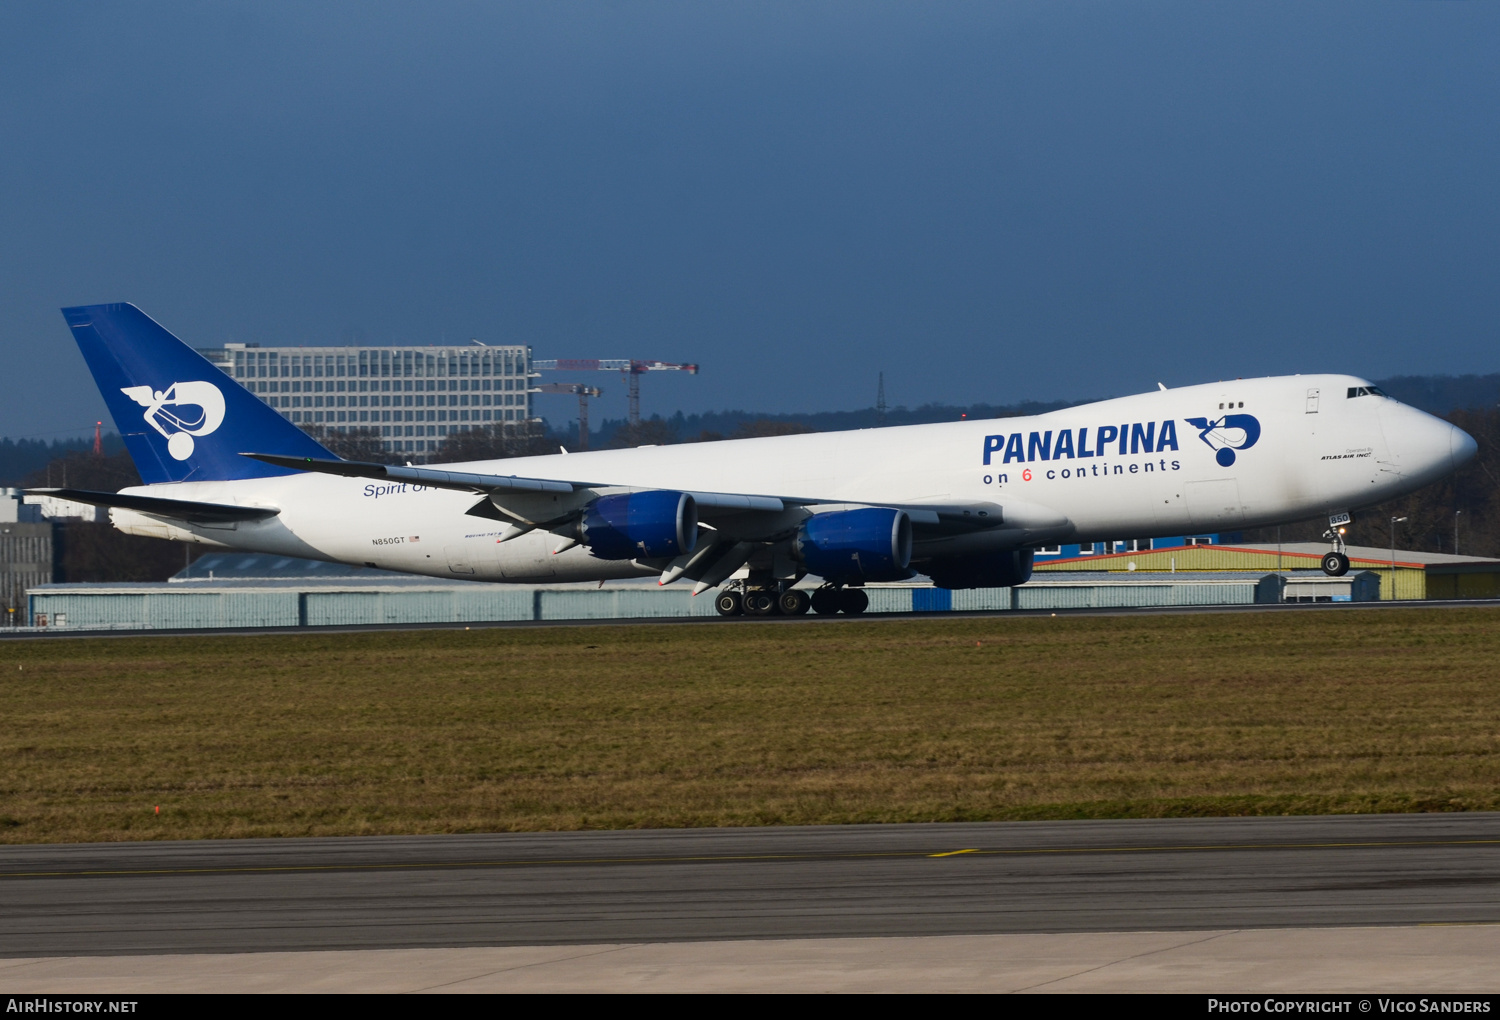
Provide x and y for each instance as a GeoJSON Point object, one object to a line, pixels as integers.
{"type": "Point", "coordinates": [233, 565]}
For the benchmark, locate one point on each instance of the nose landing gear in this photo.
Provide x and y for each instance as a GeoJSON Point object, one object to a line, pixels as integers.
{"type": "Point", "coordinates": [1335, 564]}
{"type": "Point", "coordinates": [1336, 561]}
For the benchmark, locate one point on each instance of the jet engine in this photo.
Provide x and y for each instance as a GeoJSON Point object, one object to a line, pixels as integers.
{"type": "Point", "coordinates": [640, 525]}
{"type": "Point", "coordinates": [871, 544]}
{"type": "Point", "coordinates": [986, 570]}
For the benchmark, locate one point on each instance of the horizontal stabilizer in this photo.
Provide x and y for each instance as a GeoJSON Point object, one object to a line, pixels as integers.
{"type": "Point", "coordinates": [178, 509]}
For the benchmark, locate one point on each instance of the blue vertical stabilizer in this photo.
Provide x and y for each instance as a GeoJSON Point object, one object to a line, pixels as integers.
{"type": "Point", "coordinates": [183, 420]}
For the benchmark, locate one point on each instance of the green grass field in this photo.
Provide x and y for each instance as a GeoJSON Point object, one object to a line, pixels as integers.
{"type": "Point", "coordinates": [748, 724]}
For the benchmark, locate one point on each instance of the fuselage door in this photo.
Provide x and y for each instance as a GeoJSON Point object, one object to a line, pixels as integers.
{"type": "Point", "coordinates": [1213, 503]}
{"type": "Point", "coordinates": [460, 558]}
{"type": "Point", "coordinates": [528, 558]}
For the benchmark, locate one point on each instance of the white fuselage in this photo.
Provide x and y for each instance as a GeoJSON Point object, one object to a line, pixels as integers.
{"type": "Point", "coordinates": [1318, 451]}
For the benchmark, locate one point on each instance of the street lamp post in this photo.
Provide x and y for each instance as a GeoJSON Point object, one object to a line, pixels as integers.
{"type": "Point", "coordinates": [1455, 531]}
{"type": "Point", "coordinates": [1394, 521]}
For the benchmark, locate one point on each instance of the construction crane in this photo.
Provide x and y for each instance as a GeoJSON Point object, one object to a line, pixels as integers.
{"type": "Point", "coordinates": [631, 370]}
{"type": "Point", "coordinates": [583, 393]}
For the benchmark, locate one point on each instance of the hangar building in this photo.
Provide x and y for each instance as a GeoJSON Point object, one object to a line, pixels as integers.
{"type": "Point", "coordinates": [1412, 575]}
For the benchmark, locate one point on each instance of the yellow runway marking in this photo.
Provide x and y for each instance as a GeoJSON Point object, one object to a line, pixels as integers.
{"type": "Point", "coordinates": [732, 858]}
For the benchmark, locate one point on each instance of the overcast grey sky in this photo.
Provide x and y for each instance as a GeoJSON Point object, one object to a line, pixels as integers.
{"type": "Point", "coordinates": [988, 201]}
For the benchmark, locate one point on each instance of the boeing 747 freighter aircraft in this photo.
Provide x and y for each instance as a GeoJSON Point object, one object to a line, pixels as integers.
{"type": "Point", "coordinates": [963, 503]}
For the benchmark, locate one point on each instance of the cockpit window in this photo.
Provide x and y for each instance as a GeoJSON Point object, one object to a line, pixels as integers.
{"type": "Point", "coordinates": [1366, 391]}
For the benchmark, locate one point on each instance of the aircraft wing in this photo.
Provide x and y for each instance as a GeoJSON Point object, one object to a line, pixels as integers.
{"type": "Point", "coordinates": [434, 477]}
{"type": "Point", "coordinates": [177, 509]}
{"type": "Point", "coordinates": [513, 497]}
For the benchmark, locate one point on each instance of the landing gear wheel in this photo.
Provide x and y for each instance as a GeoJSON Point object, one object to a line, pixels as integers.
{"type": "Point", "coordinates": [793, 602]}
{"type": "Point", "coordinates": [728, 603]}
{"type": "Point", "coordinates": [759, 603]}
{"type": "Point", "coordinates": [853, 601]}
{"type": "Point", "coordinates": [825, 601]}
{"type": "Point", "coordinates": [1335, 564]}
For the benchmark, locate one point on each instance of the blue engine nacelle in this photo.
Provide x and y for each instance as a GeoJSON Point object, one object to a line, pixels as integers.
{"type": "Point", "coordinates": [640, 525]}
{"type": "Point", "coordinates": [987, 570]}
{"type": "Point", "coordinates": [872, 544]}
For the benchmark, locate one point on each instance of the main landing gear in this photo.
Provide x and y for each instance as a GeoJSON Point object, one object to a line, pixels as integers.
{"type": "Point", "coordinates": [828, 600]}
{"type": "Point", "coordinates": [747, 601]}
{"type": "Point", "coordinates": [762, 601]}
{"type": "Point", "coordinates": [775, 601]}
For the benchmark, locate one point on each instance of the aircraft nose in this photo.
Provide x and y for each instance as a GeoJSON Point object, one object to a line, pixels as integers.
{"type": "Point", "coordinates": [1422, 447]}
{"type": "Point", "coordinates": [1462, 446]}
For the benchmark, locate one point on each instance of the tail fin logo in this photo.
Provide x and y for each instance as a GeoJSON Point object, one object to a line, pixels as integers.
{"type": "Point", "coordinates": [1227, 434]}
{"type": "Point", "coordinates": [180, 412]}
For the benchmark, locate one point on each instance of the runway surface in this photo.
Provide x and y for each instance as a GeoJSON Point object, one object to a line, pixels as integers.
{"type": "Point", "coordinates": [1364, 961]}
{"type": "Point", "coordinates": [741, 884]}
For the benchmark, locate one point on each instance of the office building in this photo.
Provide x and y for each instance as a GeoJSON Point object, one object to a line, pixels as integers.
{"type": "Point", "coordinates": [414, 396]}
